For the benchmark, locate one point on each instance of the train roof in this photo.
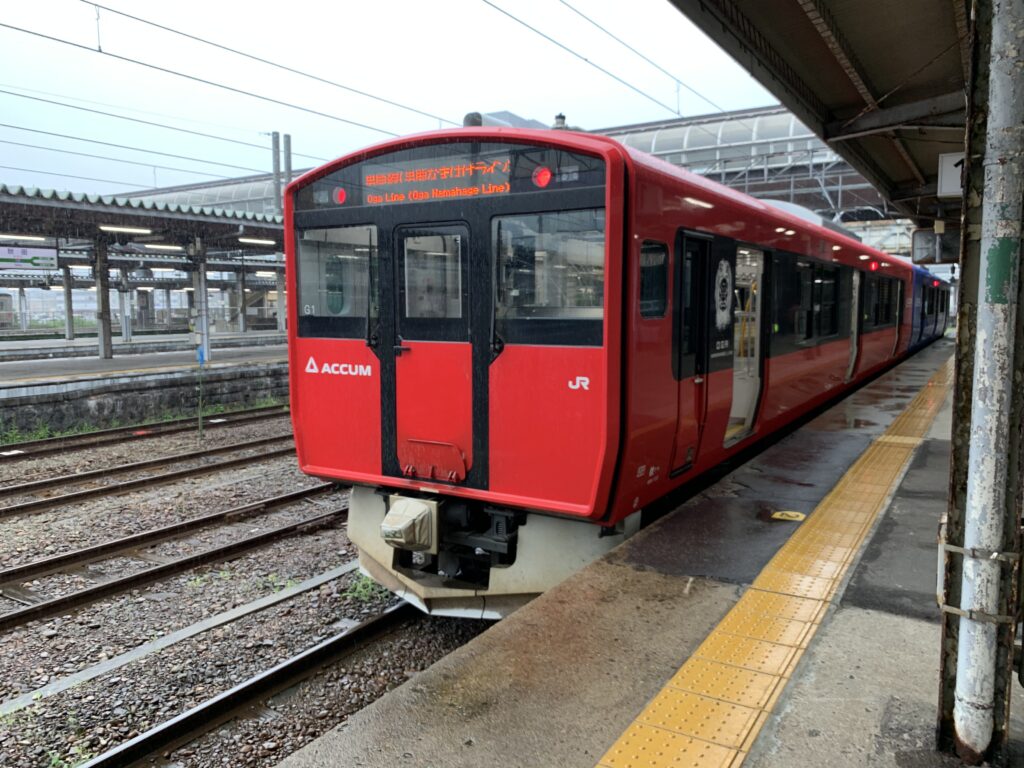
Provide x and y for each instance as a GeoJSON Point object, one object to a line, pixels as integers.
{"type": "Point", "coordinates": [607, 146]}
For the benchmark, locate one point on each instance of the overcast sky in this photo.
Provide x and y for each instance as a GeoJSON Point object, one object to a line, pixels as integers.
{"type": "Point", "coordinates": [444, 58]}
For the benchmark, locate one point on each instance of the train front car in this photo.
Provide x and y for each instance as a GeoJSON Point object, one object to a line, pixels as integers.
{"type": "Point", "coordinates": [451, 344]}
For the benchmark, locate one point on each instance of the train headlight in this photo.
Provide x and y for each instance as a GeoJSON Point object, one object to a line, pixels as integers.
{"type": "Point", "coordinates": [411, 524]}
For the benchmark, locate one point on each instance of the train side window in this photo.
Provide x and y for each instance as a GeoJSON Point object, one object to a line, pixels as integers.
{"type": "Point", "coordinates": [826, 288]}
{"type": "Point", "coordinates": [335, 269]}
{"type": "Point", "coordinates": [653, 279]}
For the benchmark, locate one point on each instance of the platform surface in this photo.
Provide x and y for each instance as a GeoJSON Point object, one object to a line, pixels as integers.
{"type": "Point", "coordinates": [57, 370]}
{"type": "Point", "coordinates": [558, 682]}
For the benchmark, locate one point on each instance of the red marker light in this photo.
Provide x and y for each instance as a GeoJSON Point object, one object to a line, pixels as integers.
{"type": "Point", "coordinates": [339, 196]}
{"type": "Point", "coordinates": [935, 283]}
{"type": "Point", "coordinates": [874, 266]}
{"type": "Point", "coordinates": [542, 176]}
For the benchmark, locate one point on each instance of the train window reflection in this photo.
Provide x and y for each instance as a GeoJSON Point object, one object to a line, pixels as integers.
{"type": "Point", "coordinates": [433, 276]}
{"type": "Point", "coordinates": [550, 277]}
{"type": "Point", "coordinates": [334, 274]}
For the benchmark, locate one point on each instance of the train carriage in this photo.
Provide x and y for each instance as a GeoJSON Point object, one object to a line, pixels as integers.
{"type": "Point", "coordinates": [512, 341]}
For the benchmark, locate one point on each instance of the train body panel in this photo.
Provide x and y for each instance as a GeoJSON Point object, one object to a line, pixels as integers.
{"type": "Point", "coordinates": [495, 326]}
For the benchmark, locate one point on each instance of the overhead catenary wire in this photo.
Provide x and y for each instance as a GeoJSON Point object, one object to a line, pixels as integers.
{"type": "Point", "coordinates": [114, 159]}
{"type": "Point", "coordinates": [262, 147]}
{"type": "Point", "coordinates": [268, 62]}
{"type": "Point", "coordinates": [133, 149]}
{"type": "Point", "coordinates": [629, 47]}
{"type": "Point", "coordinates": [72, 176]}
{"type": "Point", "coordinates": [581, 57]}
{"type": "Point", "coordinates": [201, 80]}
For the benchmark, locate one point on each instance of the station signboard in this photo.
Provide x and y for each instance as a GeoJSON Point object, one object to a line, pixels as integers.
{"type": "Point", "coordinates": [931, 247]}
{"type": "Point", "coordinates": [17, 257]}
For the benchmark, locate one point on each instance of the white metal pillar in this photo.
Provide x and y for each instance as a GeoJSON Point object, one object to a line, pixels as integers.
{"type": "Point", "coordinates": [989, 506]}
{"type": "Point", "coordinates": [22, 309]}
{"type": "Point", "coordinates": [69, 308]}
{"type": "Point", "coordinates": [282, 314]}
{"type": "Point", "coordinates": [102, 272]}
{"type": "Point", "coordinates": [202, 302]}
{"type": "Point", "coordinates": [242, 320]}
{"type": "Point", "coordinates": [167, 307]}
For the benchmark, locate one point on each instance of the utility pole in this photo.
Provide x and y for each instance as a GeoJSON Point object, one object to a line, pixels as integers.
{"type": "Point", "coordinates": [275, 142]}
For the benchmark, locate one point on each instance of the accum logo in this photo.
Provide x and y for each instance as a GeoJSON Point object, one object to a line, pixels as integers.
{"type": "Point", "coordinates": [338, 369]}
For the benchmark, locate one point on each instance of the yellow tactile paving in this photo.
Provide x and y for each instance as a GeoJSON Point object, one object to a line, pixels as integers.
{"type": "Point", "coordinates": [643, 746]}
{"type": "Point", "coordinates": [710, 712]}
{"type": "Point", "coordinates": [721, 681]}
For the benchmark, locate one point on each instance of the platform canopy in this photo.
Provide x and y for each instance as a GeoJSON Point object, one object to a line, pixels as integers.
{"type": "Point", "coordinates": [882, 82]}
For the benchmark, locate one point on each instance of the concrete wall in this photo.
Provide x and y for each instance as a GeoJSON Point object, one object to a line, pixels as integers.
{"type": "Point", "coordinates": [137, 398]}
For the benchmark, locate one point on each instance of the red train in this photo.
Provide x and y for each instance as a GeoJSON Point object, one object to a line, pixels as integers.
{"type": "Point", "coordinates": [511, 341]}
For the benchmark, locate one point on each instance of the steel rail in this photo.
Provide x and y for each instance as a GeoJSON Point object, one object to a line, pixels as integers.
{"type": "Point", "coordinates": [65, 603]}
{"type": "Point", "coordinates": [204, 717]}
{"type": "Point", "coordinates": [33, 448]}
{"type": "Point", "coordinates": [78, 477]}
{"type": "Point", "coordinates": [86, 555]}
{"type": "Point", "coordinates": [37, 505]}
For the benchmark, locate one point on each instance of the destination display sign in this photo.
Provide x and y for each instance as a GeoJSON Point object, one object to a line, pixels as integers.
{"type": "Point", "coordinates": [417, 181]}
{"type": "Point", "coordinates": [453, 171]}
{"type": "Point", "coordinates": [16, 257]}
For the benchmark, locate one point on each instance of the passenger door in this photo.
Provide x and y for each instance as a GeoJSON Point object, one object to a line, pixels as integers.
{"type": "Point", "coordinates": [690, 355]}
{"type": "Point", "coordinates": [433, 353]}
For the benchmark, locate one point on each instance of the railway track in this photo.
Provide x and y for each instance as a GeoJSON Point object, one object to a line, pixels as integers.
{"type": "Point", "coordinates": [65, 603]}
{"type": "Point", "coordinates": [35, 448]}
{"type": "Point", "coordinates": [110, 489]}
{"type": "Point", "coordinates": [195, 722]}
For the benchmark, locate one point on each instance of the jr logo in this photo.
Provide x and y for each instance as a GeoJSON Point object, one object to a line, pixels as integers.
{"type": "Point", "coordinates": [582, 382]}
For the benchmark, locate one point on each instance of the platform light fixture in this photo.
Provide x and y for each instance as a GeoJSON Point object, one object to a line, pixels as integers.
{"type": "Point", "coordinates": [162, 247]}
{"type": "Point", "coordinates": [256, 241]}
{"type": "Point", "coordinates": [265, 273]}
{"type": "Point", "coordinates": [698, 202]}
{"type": "Point", "coordinates": [126, 230]}
{"type": "Point", "coordinates": [32, 238]}
{"type": "Point", "coordinates": [164, 269]}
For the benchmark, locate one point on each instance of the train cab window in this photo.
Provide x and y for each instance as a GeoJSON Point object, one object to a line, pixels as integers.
{"type": "Point", "coordinates": [335, 269]}
{"type": "Point", "coordinates": [550, 277]}
{"type": "Point", "coordinates": [653, 279]}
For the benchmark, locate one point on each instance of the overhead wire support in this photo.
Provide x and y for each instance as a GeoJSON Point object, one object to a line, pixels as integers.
{"type": "Point", "coordinates": [261, 147]}
{"type": "Point", "coordinates": [581, 57]}
{"type": "Point", "coordinates": [261, 60]}
{"type": "Point", "coordinates": [197, 79]}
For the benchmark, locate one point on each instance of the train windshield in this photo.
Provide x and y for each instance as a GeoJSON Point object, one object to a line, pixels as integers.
{"type": "Point", "coordinates": [432, 225]}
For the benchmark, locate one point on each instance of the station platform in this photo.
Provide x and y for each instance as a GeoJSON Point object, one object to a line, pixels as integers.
{"type": "Point", "coordinates": [724, 633]}
{"type": "Point", "coordinates": [65, 393]}
{"type": "Point", "coordinates": [12, 350]}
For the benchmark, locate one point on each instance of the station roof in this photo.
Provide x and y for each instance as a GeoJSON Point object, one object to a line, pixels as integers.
{"type": "Point", "coordinates": [882, 83]}
{"type": "Point", "coordinates": [32, 211]}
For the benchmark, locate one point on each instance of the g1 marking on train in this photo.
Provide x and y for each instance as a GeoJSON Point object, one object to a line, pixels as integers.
{"type": "Point", "coordinates": [339, 369]}
{"type": "Point", "coordinates": [582, 382]}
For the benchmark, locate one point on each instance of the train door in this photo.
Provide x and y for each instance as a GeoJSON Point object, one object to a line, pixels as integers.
{"type": "Point", "coordinates": [855, 314]}
{"type": "Point", "coordinates": [748, 341]}
{"type": "Point", "coordinates": [689, 342]}
{"type": "Point", "coordinates": [433, 352]}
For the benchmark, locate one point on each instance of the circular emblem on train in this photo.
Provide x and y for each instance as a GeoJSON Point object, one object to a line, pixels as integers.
{"type": "Point", "coordinates": [723, 294]}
